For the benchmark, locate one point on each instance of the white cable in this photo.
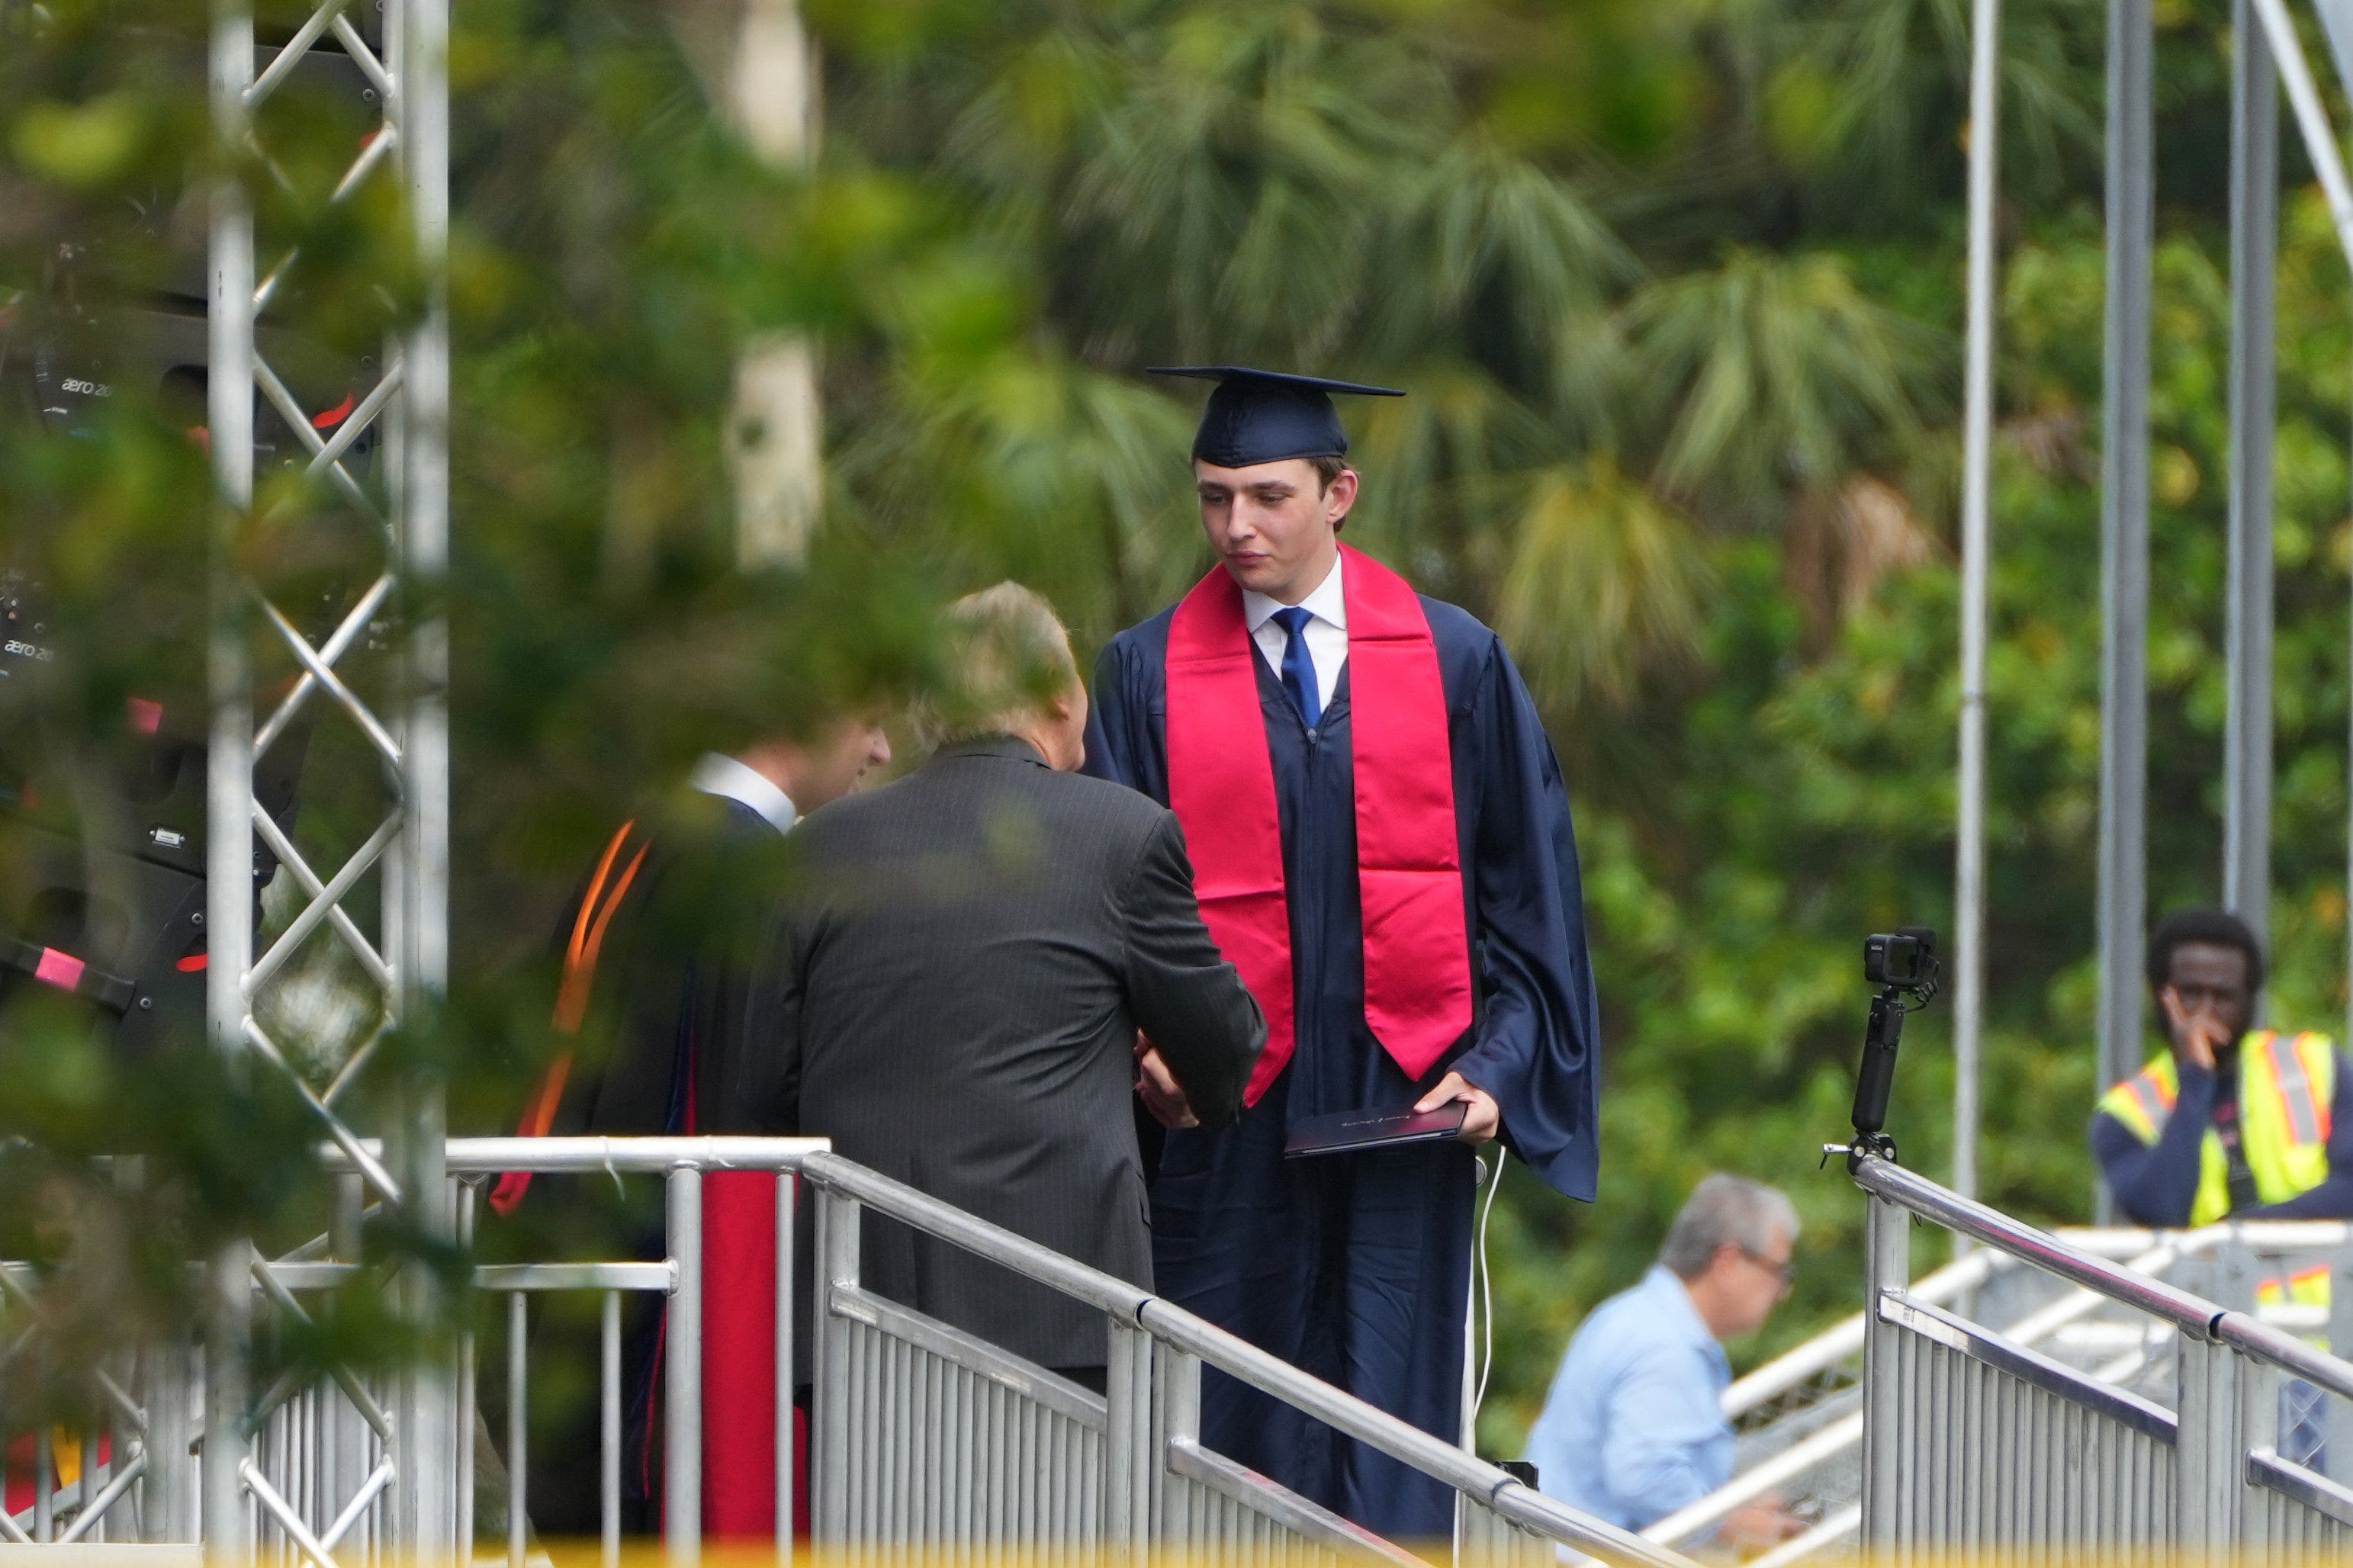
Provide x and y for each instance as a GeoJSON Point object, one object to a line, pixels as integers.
{"type": "Point", "coordinates": [1486, 1290]}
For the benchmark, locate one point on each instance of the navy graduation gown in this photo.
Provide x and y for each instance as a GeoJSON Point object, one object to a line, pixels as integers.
{"type": "Point", "coordinates": [1357, 1267]}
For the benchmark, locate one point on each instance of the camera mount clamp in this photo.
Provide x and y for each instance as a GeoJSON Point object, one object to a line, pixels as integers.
{"type": "Point", "coordinates": [1904, 965]}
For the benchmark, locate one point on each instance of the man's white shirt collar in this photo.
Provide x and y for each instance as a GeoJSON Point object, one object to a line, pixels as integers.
{"type": "Point", "coordinates": [1327, 603]}
{"type": "Point", "coordinates": [731, 780]}
{"type": "Point", "coordinates": [1326, 630]}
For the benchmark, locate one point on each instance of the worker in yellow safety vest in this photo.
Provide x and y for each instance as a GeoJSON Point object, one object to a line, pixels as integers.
{"type": "Point", "coordinates": [2228, 1121]}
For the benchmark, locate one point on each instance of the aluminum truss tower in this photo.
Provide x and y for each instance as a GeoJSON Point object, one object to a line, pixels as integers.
{"type": "Point", "coordinates": [2268, 56]}
{"type": "Point", "coordinates": [402, 944]}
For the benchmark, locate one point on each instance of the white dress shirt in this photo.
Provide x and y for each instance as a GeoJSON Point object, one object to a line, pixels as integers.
{"type": "Point", "coordinates": [1327, 633]}
{"type": "Point", "coordinates": [731, 780]}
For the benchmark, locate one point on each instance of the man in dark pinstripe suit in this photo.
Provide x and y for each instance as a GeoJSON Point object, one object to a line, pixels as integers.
{"type": "Point", "coordinates": [958, 992]}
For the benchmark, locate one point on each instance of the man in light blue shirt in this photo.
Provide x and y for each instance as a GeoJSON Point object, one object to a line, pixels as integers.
{"type": "Point", "coordinates": [1633, 1428]}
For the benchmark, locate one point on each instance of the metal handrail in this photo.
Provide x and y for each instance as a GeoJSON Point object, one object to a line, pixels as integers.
{"type": "Point", "coordinates": [2284, 1351]}
{"type": "Point", "coordinates": [1172, 1325]}
{"type": "Point", "coordinates": [2192, 1314]}
{"type": "Point", "coordinates": [2140, 1250]}
{"type": "Point", "coordinates": [1966, 1217]}
{"type": "Point", "coordinates": [682, 1163]}
{"type": "Point", "coordinates": [1844, 1338]}
{"type": "Point", "coordinates": [599, 1156]}
{"type": "Point", "coordinates": [2131, 1243]}
{"type": "Point", "coordinates": [2200, 1476]}
{"type": "Point", "coordinates": [1116, 1299]}
{"type": "Point", "coordinates": [685, 1161]}
{"type": "Point", "coordinates": [1846, 1433]}
{"type": "Point", "coordinates": [679, 1163]}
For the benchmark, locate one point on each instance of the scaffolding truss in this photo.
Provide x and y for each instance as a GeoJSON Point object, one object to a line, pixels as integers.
{"type": "Point", "coordinates": [2268, 60]}
{"type": "Point", "coordinates": [403, 860]}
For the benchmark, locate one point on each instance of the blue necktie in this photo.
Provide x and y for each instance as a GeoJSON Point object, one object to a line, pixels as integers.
{"type": "Point", "coordinates": [1298, 670]}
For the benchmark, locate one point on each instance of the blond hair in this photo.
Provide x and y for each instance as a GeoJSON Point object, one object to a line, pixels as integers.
{"type": "Point", "coordinates": [1008, 658]}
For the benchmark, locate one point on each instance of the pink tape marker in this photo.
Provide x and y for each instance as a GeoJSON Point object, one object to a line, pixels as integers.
{"type": "Point", "coordinates": [62, 969]}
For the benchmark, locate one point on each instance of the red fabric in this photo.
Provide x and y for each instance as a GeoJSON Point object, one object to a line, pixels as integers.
{"type": "Point", "coordinates": [22, 1459]}
{"type": "Point", "coordinates": [739, 1356]}
{"type": "Point", "coordinates": [1409, 860]}
{"type": "Point", "coordinates": [800, 1473]}
{"type": "Point", "coordinates": [1409, 876]}
{"type": "Point", "coordinates": [1221, 786]}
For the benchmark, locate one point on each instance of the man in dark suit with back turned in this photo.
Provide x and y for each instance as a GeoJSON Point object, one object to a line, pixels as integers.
{"type": "Point", "coordinates": [959, 987]}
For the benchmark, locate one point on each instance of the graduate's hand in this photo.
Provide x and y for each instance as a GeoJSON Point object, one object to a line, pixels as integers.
{"type": "Point", "coordinates": [1481, 1122]}
{"type": "Point", "coordinates": [1157, 1085]}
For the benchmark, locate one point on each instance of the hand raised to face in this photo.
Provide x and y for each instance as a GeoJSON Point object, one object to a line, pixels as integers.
{"type": "Point", "coordinates": [2197, 1035]}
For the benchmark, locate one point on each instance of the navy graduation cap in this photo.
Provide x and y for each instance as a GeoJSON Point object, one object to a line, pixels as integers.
{"type": "Point", "coordinates": [1265, 415]}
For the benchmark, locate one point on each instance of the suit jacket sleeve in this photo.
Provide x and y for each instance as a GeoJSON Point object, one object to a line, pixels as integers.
{"type": "Point", "coordinates": [766, 1094]}
{"type": "Point", "coordinates": [1184, 997]}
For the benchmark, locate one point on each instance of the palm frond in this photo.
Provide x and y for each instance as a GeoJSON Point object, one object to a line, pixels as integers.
{"type": "Point", "coordinates": [1897, 74]}
{"type": "Point", "coordinates": [1767, 373]}
{"type": "Point", "coordinates": [1604, 582]}
{"type": "Point", "coordinates": [1238, 172]}
{"type": "Point", "coordinates": [1481, 238]}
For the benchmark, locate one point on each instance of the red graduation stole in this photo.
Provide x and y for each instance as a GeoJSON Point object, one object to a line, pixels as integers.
{"type": "Point", "coordinates": [1408, 865]}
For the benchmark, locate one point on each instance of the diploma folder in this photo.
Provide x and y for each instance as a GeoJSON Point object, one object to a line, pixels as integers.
{"type": "Point", "coordinates": [1347, 1131]}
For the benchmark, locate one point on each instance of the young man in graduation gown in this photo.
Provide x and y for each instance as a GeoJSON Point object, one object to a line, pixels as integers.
{"type": "Point", "coordinates": [1382, 846]}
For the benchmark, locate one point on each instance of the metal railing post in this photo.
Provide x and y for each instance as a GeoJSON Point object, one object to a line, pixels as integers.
{"type": "Point", "coordinates": [1886, 1267]}
{"type": "Point", "coordinates": [2241, 1273]}
{"type": "Point", "coordinates": [2337, 1413]}
{"type": "Point", "coordinates": [787, 1198]}
{"type": "Point", "coordinates": [351, 1431]}
{"type": "Point", "coordinates": [518, 1429]}
{"type": "Point", "coordinates": [609, 1455]}
{"type": "Point", "coordinates": [1127, 1436]}
{"type": "Point", "coordinates": [168, 1507]}
{"type": "Point", "coordinates": [2261, 1390]}
{"type": "Point", "coordinates": [682, 1376]}
{"type": "Point", "coordinates": [44, 1486]}
{"type": "Point", "coordinates": [228, 1332]}
{"type": "Point", "coordinates": [837, 1265]}
{"type": "Point", "coordinates": [2241, 1289]}
{"type": "Point", "coordinates": [2211, 1445]}
{"type": "Point", "coordinates": [1176, 1417]}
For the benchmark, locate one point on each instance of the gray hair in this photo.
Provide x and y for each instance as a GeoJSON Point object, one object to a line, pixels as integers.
{"type": "Point", "coordinates": [1727, 1211]}
{"type": "Point", "coordinates": [1009, 656]}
